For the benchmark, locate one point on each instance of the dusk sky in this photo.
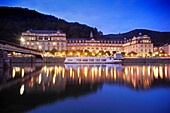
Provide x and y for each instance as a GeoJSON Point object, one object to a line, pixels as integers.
{"type": "Point", "coordinates": [108, 16]}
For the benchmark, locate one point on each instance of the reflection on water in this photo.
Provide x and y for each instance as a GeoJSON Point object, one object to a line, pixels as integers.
{"type": "Point", "coordinates": [136, 76]}
{"type": "Point", "coordinates": [58, 78]}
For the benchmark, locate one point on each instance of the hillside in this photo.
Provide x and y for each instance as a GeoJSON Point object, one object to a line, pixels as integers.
{"type": "Point", "coordinates": [14, 21]}
{"type": "Point", "coordinates": [158, 38]}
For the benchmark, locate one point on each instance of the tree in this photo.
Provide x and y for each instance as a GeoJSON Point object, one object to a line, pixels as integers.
{"type": "Point", "coordinates": [123, 53]}
{"type": "Point", "coordinates": [53, 51]}
{"type": "Point", "coordinates": [107, 53]}
{"type": "Point", "coordinates": [150, 53]}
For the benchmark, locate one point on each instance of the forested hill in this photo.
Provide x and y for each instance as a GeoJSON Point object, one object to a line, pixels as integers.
{"type": "Point", "coordinates": [158, 38]}
{"type": "Point", "coordinates": [14, 21]}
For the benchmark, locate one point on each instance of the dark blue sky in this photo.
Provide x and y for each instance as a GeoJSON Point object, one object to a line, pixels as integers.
{"type": "Point", "coordinates": [109, 16]}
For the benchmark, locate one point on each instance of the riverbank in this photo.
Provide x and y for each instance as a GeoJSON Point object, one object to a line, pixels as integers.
{"type": "Point", "coordinates": [55, 60]}
{"type": "Point", "coordinates": [146, 60]}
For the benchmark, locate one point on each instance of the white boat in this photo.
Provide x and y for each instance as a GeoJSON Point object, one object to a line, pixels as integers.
{"type": "Point", "coordinates": [91, 60]}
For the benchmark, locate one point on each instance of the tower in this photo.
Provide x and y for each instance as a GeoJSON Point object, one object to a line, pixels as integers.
{"type": "Point", "coordinates": [91, 34]}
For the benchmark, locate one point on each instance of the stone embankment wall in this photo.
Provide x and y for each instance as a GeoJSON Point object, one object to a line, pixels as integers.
{"type": "Point", "coordinates": [33, 60]}
{"type": "Point", "coordinates": [54, 59]}
{"type": "Point", "coordinates": [146, 60]}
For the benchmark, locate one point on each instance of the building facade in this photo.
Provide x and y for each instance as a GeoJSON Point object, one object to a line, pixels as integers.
{"type": "Point", "coordinates": [166, 49]}
{"type": "Point", "coordinates": [44, 40]}
{"type": "Point", "coordinates": [141, 45]}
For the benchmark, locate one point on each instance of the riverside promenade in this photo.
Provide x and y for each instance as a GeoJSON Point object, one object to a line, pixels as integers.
{"type": "Point", "coordinates": [146, 60]}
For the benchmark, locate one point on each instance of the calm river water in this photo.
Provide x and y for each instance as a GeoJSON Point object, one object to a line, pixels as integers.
{"type": "Point", "coordinates": [59, 88]}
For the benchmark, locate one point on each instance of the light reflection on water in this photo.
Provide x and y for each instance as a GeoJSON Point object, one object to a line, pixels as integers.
{"type": "Point", "coordinates": [136, 76]}
{"type": "Point", "coordinates": [57, 78]}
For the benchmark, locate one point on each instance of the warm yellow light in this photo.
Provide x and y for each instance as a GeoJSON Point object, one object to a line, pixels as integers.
{"type": "Point", "coordinates": [40, 47]}
{"type": "Point", "coordinates": [22, 40]}
{"type": "Point", "coordinates": [22, 90]}
{"type": "Point", "coordinates": [71, 53]}
{"type": "Point", "coordinates": [85, 53]}
{"type": "Point", "coordinates": [85, 71]}
{"type": "Point", "coordinates": [22, 73]}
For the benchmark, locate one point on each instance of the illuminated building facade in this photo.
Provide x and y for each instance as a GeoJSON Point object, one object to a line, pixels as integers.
{"type": "Point", "coordinates": [141, 44]}
{"type": "Point", "coordinates": [166, 49]}
{"type": "Point", "coordinates": [44, 40]}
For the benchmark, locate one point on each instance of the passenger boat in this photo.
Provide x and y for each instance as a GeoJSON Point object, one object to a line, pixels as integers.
{"type": "Point", "coordinates": [91, 60]}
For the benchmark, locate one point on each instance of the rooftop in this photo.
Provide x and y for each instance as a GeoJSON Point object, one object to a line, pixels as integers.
{"type": "Point", "coordinates": [45, 31]}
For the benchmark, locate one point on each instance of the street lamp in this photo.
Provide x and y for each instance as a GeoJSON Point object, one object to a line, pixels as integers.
{"type": "Point", "coordinates": [40, 47]}
{"type": "Point", "coordinates": [22, 40]}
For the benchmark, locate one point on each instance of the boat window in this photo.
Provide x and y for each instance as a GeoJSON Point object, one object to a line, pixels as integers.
{"type": "Point", "coordinates": [97, 60]}
{"type": "Point", "coordinates": [103, 59]}
{"type": "Point", "coordinates": [91, 59]}
{"type": "Point", "coordinates": [78, 60]}
{"type": "Point", "coordinates": [70, 59]}
{"type": "Point", "coordinates": [85, 60]}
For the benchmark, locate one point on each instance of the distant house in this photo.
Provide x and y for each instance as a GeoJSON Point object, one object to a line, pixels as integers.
{"type": "Point", "coordinates": [166, 48]}
{"type": "Point", "coordinates": [45, 40]}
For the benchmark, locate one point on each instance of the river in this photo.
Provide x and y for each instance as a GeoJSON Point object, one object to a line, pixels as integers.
{"type": "Point", "coordinates": [66, 88]}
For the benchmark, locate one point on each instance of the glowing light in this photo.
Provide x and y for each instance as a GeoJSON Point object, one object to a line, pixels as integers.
{"type": "Point", "coordinates": [85, 71]}
{"type": "Point", "coordinates": [39, 79]}
{"type": "Point", "coordinates": [45, 68]}
{"type": "Point", "coordinates": [131, 70]}
{"type": "Point", "coordinates": [100, 71]}
{"type": "Point", "coordinates": [166, 71]}
{"type": "Point", "coordinates": [115, 73]}
{"type": "Point", "coordinates": [149, 69]}
{"type": "Point", "coordinates": [22, 90]}
{"type": "Point", "coordinates": [106, 71]}
{"type": "Point", "coordinates": [22, 73]}
{"type": "Point", "coordinates": [63, 73]}
{"type": "Point", "coordinates": [126, 71]}
{"type": "Point", "coordinates": [85, 53]}
{"type": "Point", "coordinates": [73, 74]}
{"type": "Point", "coordinates": [70, 72]}
{"type": "Point", "coordinates": [78, 71]}
{"type": "Point", "coordinates": [22, 40]}
{"type": "Point", "coordinates": [156, 72]}
{"type": "Point", "coordinates": [79, 80]}
{"type": "Point", "coordinates": [13, 73]}
{"type": "Point", "coordinates": [47, 72]}
{"type": "Point", "coordinates": [40, 47]}
{"type": "Point", "coordinates": [111, 72]}
{"type": "Point", "coordinates": [143, 70]}
{"type": "Point", "coordinates": [95, 71]}
{"type": "Point", "coordinates": [137, 71]}
{"type": "Point", "coordinates": [54, 79]}
{"type": "Point", "coordinates": [92, 72]}
{"type": "Point", "coordinates": [160, 72]}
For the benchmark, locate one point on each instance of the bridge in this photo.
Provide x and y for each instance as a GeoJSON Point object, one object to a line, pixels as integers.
{"type": "Point", "coordinates": [11, 47]}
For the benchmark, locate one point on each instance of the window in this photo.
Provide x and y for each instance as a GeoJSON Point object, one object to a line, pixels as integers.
{"type": "Point", "coordinates": [145, 50]}
{"type": "Point", "coordinates": [149, 45]}
{"type": "Point", "coordinates": [145, 45]}
{"type": "Point", "coordinates": [141, 50]}
{"type": "Point", "coordinates": [149, 50]}
{"type": "Point", "coordinates": [40, 38]}
{"type": "Point", "coordinates": [141, 45]}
